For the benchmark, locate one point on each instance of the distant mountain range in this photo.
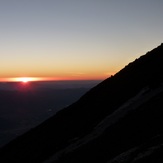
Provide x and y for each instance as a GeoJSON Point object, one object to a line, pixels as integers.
{"type": "Point", "coordinates": [118, 121]}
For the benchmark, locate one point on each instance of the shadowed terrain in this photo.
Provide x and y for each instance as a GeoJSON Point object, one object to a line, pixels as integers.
{"type": "Point", "coordinates": [24, 106]}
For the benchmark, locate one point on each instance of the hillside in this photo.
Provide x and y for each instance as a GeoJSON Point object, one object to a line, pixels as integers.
{"type": "Point", "coordinates": [119, 120]}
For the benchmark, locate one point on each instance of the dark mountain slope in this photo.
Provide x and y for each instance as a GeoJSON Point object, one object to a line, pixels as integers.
{"type": "Point", "coordinates": [136, 131]}
{"type": "Point", "coordinates": [77, 122]}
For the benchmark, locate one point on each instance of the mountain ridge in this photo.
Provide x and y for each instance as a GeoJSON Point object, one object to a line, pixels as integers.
{"type": "Point", "coordinates": [81, 118]}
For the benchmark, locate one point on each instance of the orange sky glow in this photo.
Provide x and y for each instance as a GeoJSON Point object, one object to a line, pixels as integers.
{"type": "Point", "coordinates": [36, 79]}
{"type": "Point", "coordinates": [75, 40]}
{"type": "Point", "coordinates": [24, 79]}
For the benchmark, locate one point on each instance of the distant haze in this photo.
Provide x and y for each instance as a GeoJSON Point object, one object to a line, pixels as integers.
{"type": "Point", "coordinates": [22, 107]}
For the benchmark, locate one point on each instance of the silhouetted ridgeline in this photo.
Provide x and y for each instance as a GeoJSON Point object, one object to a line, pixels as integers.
{"type": "Point", "coordinates": [119, 120]}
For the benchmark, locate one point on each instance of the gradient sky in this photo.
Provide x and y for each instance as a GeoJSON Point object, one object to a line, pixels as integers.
{"type": "Point", "coordinates": [76, 39]}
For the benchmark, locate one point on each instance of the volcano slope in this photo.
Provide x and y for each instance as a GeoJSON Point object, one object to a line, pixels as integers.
{"type": "Point", "coordinates": [119, 120]}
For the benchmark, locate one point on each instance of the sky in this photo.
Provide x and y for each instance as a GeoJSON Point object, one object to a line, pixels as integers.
{"type": "Point", "coordinates": [76, 39]}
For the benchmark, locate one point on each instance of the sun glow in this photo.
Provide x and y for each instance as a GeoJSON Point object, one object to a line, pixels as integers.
{"type": "Point", "coordinates": [25, 79]}
{"type": "Point", "coordinates": [28, 79]}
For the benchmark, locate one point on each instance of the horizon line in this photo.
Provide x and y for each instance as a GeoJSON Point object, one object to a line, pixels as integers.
{"type": "Point", "coordinates": [45, 79]}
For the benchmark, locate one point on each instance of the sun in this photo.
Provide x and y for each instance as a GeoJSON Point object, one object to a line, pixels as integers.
{"type": "Point", "coordinates": [25, 80]}
{"type": "Point", "coordinates": [28, 79]}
